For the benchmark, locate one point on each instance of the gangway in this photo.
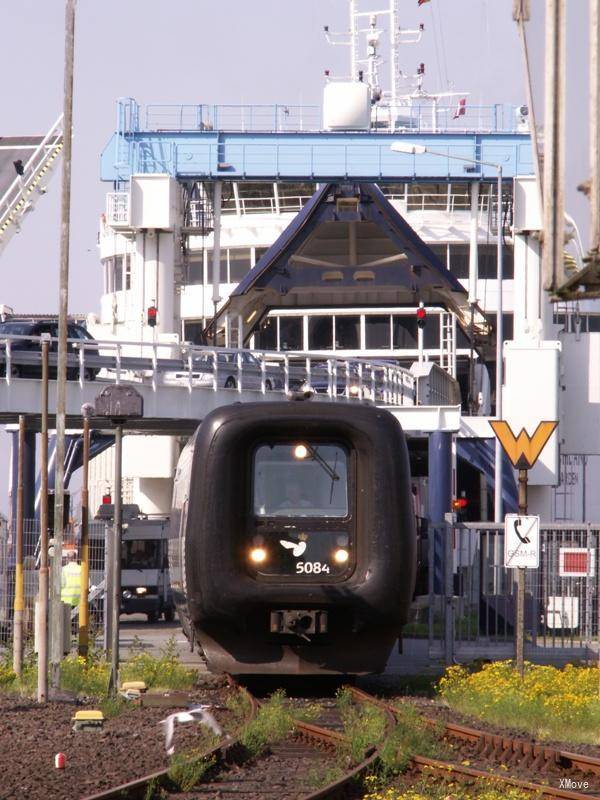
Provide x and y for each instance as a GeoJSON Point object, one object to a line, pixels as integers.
{"type": "Point", "coordinates": [181, 382]}
{"type": "Point", "coordinates": [25, 189]}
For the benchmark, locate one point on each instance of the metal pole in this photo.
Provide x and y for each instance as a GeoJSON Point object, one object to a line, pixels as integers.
{"type": "Point", "coordinates": [42, 627]}
{"type": "Point", "coordinates": [499, 362]}
{"type": "Point", "coordinates": [520, 626]}
{"type": "Point", "coordinates": [56, 615]}
{"type": "Point", "coordinates": [554, 145]}
{"type": "Point", "coordinates": [19, 604]}
{"type": "Point", "coordinates": [594, 126]}
{"type": "Point", "coordinates": [85, 555]}
{"type": "Point", "coordinates": [216, 256]}
{"type": "Point", "coordinates": [116, 567]}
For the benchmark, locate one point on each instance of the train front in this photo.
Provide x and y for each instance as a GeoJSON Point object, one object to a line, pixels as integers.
{"type": "Point", "coordinates": [298, 541]}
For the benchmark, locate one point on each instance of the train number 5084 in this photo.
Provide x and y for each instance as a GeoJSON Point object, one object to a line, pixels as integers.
{"type": "Point", "coordinates": [311, 568]}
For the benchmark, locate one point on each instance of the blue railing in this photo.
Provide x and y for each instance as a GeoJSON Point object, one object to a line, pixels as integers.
{"type": "Point", "coordinates": [418, 118]}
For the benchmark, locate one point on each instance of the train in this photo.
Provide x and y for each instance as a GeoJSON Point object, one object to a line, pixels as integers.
{"type": "Point", "coordinates": [292, 547]}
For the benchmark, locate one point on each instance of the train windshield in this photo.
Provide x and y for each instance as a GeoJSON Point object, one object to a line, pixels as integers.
{"type": "Point", "coordinates": [300, 479]}
{"type": "Point", "coordinates": [140, 554]}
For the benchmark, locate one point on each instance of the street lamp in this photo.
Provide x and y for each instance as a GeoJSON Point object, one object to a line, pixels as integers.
{"type": "Point", "coordinates": [419, 149]}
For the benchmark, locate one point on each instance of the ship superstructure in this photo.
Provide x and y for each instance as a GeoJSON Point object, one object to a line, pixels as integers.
{"type": "Point", "coordinates": [200, 194]}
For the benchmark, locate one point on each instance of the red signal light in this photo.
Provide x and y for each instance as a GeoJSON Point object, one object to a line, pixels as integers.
{"type": "Point", "coordinates": [152, 313]}
{"type": "Point", "coordinates": [106, 499]}
{"type": "Point", "coordinates": [421, 317]}
{"type": "Point", "coordinates": [459, 504]}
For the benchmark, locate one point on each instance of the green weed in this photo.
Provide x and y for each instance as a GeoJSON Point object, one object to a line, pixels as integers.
{"type": "Point", "coordinates": [188, 769]}
{"type": "Point", "coordinates": [272, 723]}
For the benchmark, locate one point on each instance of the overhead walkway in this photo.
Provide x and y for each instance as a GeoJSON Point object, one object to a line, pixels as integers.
{"type": "Point", "coordinates": [36, 157]}
{"type": "Point", "coordinates": [180, 384]}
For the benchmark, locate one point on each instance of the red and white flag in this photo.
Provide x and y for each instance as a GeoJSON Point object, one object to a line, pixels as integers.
{"type": "Point", "coordinates": [461, 108]}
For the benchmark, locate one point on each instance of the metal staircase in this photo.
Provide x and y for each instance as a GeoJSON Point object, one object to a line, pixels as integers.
{"type": "Point", "coordinates": [22, 194]}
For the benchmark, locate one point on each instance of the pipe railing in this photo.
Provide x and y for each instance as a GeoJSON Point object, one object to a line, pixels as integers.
{"type": "Point", "coordinates": [160, 363]}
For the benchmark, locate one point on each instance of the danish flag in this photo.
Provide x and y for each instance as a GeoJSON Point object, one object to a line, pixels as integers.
{"type": "Point", "coordinates": [461, 108]}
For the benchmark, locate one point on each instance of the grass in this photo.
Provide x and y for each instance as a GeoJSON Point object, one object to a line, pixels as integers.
{"type": "Point", "coordinates": [550, 703]}
{"type": "Point", "coordinates": [410, 737]}
{"type": "Point", "coordinates": [187, 769]}
{"type": "Point", "coordinates": [364, 726]}
{"type": "Point", "coordinates": [272, 723]}
{"type": "Point", "coordinates": [435, 788]}
{"type": "Point", "coordinates": [89, 676]}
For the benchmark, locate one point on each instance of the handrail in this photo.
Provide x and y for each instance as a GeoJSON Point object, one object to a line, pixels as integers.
{"type": "Point", "coordinates": [163, 363]}
{"type": "Point", "coordinates": [13, 201]}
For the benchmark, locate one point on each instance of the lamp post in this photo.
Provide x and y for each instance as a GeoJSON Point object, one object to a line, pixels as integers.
{"type": "Point", "coordinates": [417, 149]}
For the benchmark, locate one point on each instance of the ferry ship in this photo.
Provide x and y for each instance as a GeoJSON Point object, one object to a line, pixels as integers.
{"type": "Point", "coordinates": [157, 249]}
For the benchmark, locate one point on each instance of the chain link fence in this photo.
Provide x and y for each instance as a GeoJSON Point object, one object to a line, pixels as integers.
{"type": "Point", "coordinates": [98, 538]}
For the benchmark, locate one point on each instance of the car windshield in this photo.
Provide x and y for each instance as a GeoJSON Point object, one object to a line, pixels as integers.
{"type": "Point", "coordinates": [140, 554]}
{"type": "Point", "coordinates": [16, 328]}
{"type": "Point", "coordinates": [301, 479]}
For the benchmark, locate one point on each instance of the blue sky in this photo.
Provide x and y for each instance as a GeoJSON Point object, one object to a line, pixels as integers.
{"type": "Point", "coordinates": [231, 51]}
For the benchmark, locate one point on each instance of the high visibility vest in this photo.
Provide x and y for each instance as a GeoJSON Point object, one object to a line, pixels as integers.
{"type": "Point", "coordinates": [71, 583]}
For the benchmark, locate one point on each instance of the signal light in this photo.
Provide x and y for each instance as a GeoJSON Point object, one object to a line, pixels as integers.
{"type": "Point", "coordinates": [106, 499]}
{"type": "Point", "coordinates": [152, 313]}
{"type": "Point", "coordinates": [421, 316]}
{"type": "Point", "coordinates": [258, 555]}
{"type": "Point", "coordinates": [459, 504]}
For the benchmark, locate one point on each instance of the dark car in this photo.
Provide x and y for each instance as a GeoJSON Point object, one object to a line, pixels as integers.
{"type": "Point", "coordinates": [24, 354]}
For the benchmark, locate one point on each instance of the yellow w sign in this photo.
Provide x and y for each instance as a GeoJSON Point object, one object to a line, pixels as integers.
{"type": "Point", "coordinates": [523, 450]}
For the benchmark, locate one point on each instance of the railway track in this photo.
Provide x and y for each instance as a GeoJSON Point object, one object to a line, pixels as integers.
{"type": "Point", "coordinates": [306, 764]}
{"type": "Point", "coordinates": [560, 769]}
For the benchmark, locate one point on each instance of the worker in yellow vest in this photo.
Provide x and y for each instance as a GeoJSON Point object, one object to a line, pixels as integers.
{"type": "Point", "coordinates": [71, 580]}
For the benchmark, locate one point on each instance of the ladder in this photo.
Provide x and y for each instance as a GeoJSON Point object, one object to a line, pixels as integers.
{"type": "Point", "coordinates": [448, 343]}
{"type": "Point", "coordinates": [22, 194]}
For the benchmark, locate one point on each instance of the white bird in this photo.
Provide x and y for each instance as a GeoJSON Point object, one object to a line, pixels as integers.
{"type": "Point", "coordinates": [297, 548]}
{"type": "Point", "coordinates": [197, 714]}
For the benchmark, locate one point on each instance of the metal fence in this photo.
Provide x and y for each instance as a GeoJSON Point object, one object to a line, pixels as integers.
{"type": "Point", "coordinates": [98, 537]}
{"type": "Point", "coordinates": [472, 595]}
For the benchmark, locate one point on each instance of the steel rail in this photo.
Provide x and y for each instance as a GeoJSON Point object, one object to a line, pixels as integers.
{"type": "Point", "coordinates": [220, 751]}
{"type": "Point", "coordinates": [497, 745]}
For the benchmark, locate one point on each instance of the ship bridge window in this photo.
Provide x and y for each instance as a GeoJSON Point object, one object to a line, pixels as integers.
{"type": "Point", "coordinates": [507, 324]}
{"type": "Point", "coordinates": [192, 331]}
{"type": "Point", "coordinates": [239, 263]}
{"type": "Point", "coordinates": [290, 333]}
{"type": "Point", "coordinates": [405, 332]}
{"type": "Point", "coordinates": [320, 333]}
{"type": "Point", "coordinates": [306, 479]}
{"type": "Point", "coordinates": [427, 196]}
{"type": "Point", "coordinates": [195, 271]}
{"type": "Point", "coordinates": [347, 333]}
{"type": "Point", "coordinates": [487, 261]}
{"type": "Point", "coordinates": [266, 335]}
{"type": "Point", "coordinates": [377, 332]}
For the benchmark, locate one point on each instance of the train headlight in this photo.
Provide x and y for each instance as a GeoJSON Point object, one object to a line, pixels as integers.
{"type": "Point", "coordinates": [341, 555]}
{"type": "Point", "coordinates": [258, 555]}
{"type": "Point", "coordinates": [141, 590]}
{"type": "Point", "coordinates": [300, 451]}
